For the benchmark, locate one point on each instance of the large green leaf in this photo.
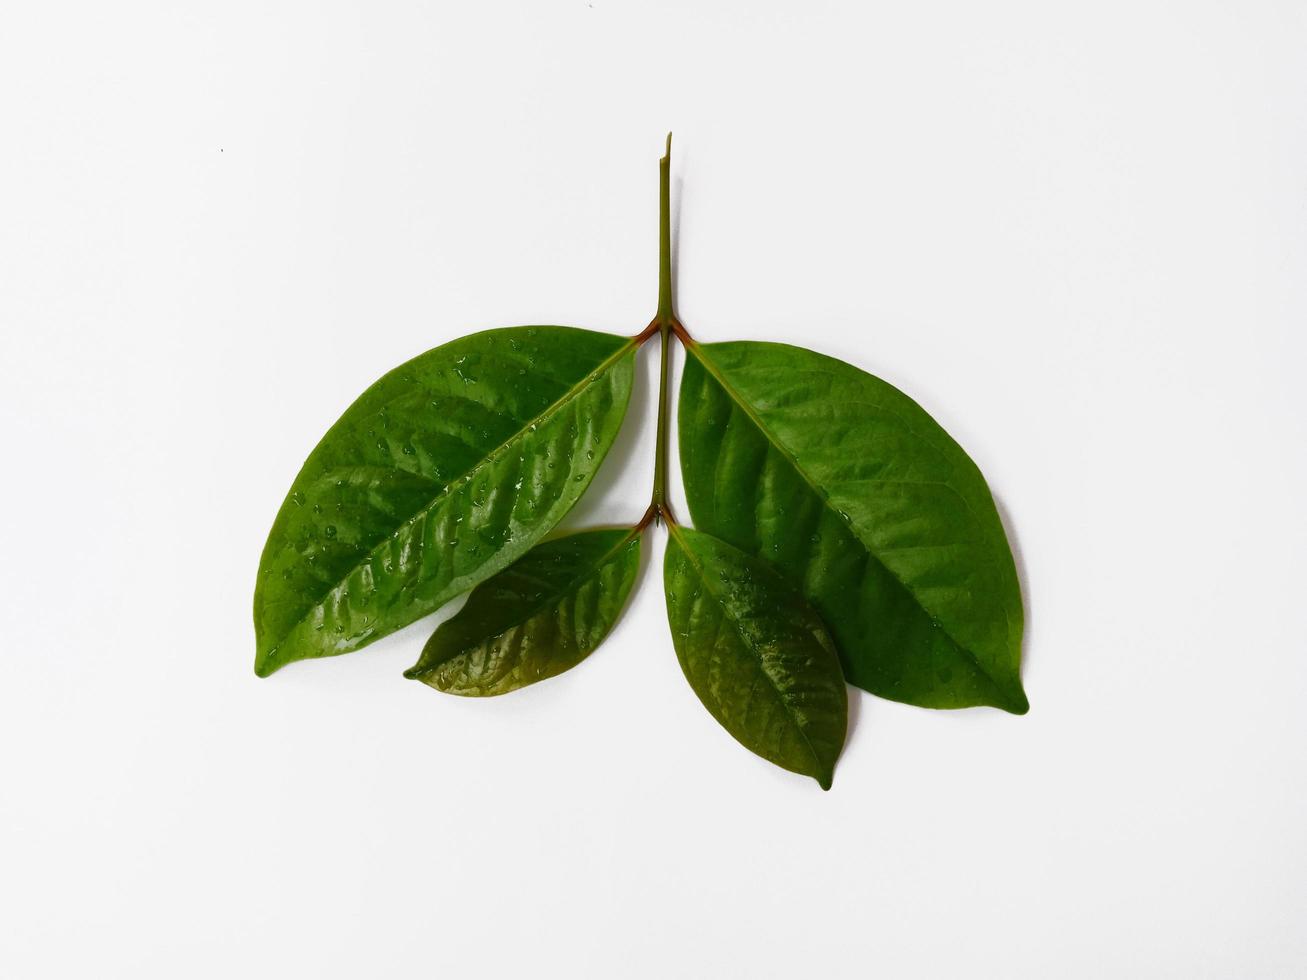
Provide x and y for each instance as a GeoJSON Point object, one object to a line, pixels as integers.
{"type": "Point", "coordinates": [538, 617]}
{"type": "Point", "coordinates": [756, 653]}
{"type": "Point", "coordinates": [439, 475]}
{"type": "Point", "coordinates": [868, 507]}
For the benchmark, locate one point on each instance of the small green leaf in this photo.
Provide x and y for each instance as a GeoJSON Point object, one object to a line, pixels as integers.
{"type": "Point", "coordinates": [756, 653]}
{"type": "Point", "coordinates": [868, 507]}
{"type": "Point", "coordinates": [540, 616]}
{"type": "Point", "coordinates": [441, 474]}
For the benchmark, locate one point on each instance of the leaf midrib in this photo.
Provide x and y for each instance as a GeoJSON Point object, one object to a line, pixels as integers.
{"type": "Point", "coordinates": [591, 378]}
{"type": "Point", "coordinates": [697, 351]}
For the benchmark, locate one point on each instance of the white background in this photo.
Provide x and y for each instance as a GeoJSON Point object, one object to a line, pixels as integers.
{"type": "Point", "coordinates": [1076, 233]}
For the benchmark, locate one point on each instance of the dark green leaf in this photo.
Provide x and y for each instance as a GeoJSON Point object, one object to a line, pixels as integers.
{"type": "Point", "coordinates": [756, 653]}
{"type": "Point", "coordinates": [441, 474]}
{"type": "Point", "coordinates": [868, 507]}
{"type": "Point", "coordinates": [538, 617]}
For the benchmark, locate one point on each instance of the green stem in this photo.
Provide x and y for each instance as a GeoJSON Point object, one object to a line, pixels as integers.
{"type": "Point", "coordinates": [664, 319]}
{"type": "Point", "coordinates": [659, 500]}
{"type": "Point", "coordinates": [665, 314]}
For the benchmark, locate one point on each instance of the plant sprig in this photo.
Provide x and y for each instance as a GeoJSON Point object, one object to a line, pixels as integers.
{"type": "Point", "coordinates": [839, 533]}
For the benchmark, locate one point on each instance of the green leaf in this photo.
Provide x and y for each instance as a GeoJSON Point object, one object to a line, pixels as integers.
{"type": "Point", "coordinates": [868, 507]}
{"type": "Point", "coordinates": [756, 653]}
{"type": "Point", "coordinates": [540, 616]}
{"type": "Point", "coordinates": [441, 474]}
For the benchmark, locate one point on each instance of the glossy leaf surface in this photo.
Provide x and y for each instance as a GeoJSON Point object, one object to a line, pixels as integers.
{"type": "Point", "coordinates": [756, 654]}
{"type": "Point", "coordinates": [442, 473]}
{"type": "Point", "coordinates": [540, 616]}
{"type": "Point", "coordinates": [868, 507]}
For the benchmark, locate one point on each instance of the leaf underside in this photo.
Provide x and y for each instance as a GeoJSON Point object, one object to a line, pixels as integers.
{"type": "Point", "coordinates": [542, 615]}
{"type": "Point", "coordinates": [756, 654]}
{"type": "Point", "coordinates": [442, 473]}
{"type": "Point", "coordinates": [866, 506]}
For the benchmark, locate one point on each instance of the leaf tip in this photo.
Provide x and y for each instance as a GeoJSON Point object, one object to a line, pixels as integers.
{"type": "Point", "coordinates": [262, 667]}
{"type": "Point", "coordinates": [1018, 703]}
